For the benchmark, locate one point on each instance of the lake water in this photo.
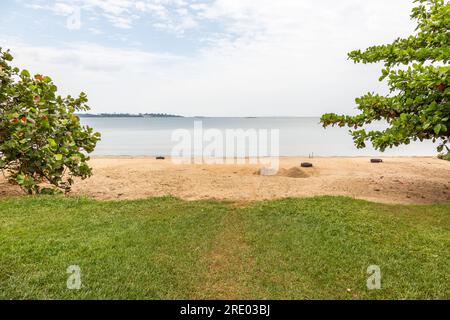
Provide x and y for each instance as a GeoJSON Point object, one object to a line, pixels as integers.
{"type": "Point", "coordinates": [297, 136]}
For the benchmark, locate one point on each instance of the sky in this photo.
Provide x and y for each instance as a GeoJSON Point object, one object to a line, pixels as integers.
{"type": "Point", "coordinates": [205, 57]}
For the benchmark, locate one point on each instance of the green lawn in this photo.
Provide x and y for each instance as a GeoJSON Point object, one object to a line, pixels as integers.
{"type": "Point", "coordinates": [165, 248]}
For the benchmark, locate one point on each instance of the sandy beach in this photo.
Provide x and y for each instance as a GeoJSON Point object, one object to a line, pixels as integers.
{"type": "Point", "coordinates": [407, 180]}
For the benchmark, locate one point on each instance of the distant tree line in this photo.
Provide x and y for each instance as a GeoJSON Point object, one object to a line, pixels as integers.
{"type": "Point", "coordinates": [128, 115]}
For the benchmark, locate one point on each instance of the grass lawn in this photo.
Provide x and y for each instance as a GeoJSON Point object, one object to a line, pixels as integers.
{"type": "Point", "coordinates": [165, 248]}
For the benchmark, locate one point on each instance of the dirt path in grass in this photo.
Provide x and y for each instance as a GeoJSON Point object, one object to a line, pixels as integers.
{"type": "Point", "coordinates": [228, 264]}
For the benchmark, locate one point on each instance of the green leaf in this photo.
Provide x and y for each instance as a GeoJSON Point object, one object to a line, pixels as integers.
{"type": "Point", "coordinates": [58, 157]}
{"type": "Point", "coordinates": [25, 73]}
{"type": "Point", "coordinates": [7, 56]}
{"type": "Point", "coordinates": [29, 181]}
{"type": "Point", "coordinates": [404, 117]}
{"type": "Point", "coordinates": [20, 178]}
{"type": "Point", "coordinates": [51, 142]}
{"type": "Point", "coordinates": [437, 128]}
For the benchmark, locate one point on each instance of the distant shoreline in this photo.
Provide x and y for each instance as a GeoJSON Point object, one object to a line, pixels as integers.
{"type": "Point", "coordinates": [157, 115]}
{"type": "Point", "coordinates": [128, 115]}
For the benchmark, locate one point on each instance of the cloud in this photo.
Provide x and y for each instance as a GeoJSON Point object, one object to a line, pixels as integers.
{"type": "Point", "coordinates": [119, 22]}
{"type": "Point", "coordinates": [243, 17]}
{"type": "Point", "coordinates": [171, 15]}
{"type": "Point", "coordinates": [255, 58]}
{"type": "Point", "coordinates": [58, 8]}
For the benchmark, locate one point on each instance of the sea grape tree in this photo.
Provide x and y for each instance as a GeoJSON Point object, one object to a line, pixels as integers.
{"type": "Point", "coordinates": [417, 73]}
{"type": "Point", "coordinates": [43, 146]}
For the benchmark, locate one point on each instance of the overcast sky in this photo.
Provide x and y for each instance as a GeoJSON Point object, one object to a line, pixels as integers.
{"type": "Point", "coordinates": [198, 57]}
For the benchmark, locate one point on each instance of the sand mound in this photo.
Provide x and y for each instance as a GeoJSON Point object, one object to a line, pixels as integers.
{"type": "Point", "coordinates": [294, 172]}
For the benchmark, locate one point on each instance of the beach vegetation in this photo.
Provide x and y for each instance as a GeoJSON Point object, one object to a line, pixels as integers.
{"type": "Point", "coordinates": [418, 75]}
{"type": "Point", "coordinates": [43, 146]}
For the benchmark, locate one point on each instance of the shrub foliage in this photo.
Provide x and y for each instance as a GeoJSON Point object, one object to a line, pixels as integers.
{"type": "Point", "coordinates": [417, 71]}
{"type": "Point", "coordinates": [41, 139]}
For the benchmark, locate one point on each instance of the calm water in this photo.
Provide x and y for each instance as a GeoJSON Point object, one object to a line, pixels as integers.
{"type": "Point", "coordinates": [298, 136]}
